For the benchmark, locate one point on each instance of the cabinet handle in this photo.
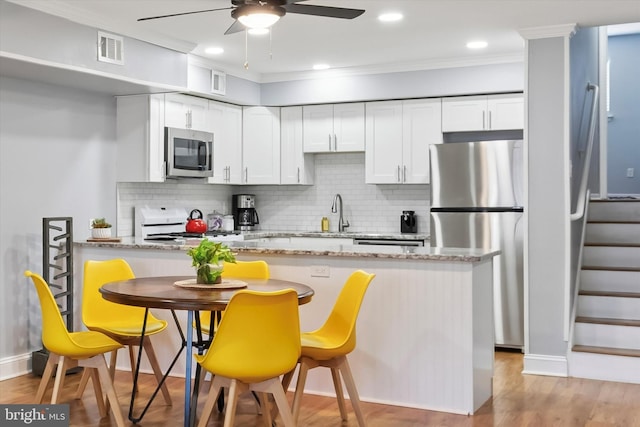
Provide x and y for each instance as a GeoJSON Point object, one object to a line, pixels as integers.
{"type": "Point", "coordinates": [484, 124]}
{"type": "Point", "coordinates": [404, 173]}
{"type": "Point", "coordinates": [246, 175]}
{"type": "Point", "coordinates": [398, 174]}
{"type": "Point", "coordinates": [298, 175]}
{"type": "Point", "coordinates": [490, 124]}
{"type": "Point", "coordinates": [329, 142]}
{"type": "Point", "coordinates": [335, 142]}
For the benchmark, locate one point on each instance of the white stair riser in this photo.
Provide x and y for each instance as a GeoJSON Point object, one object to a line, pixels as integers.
{"type": "Point", "coordinates": [598, 335]}
{"type": "Point", "coordinates": [609, 307]}
{"type": "Point", "coordinates": [610, 281]}
{"type": "Point", "coordinates": [614, 211]}
{"type": "Point", "coordinates": [604, 367]}
{"type": "Point", "coordinates": [610, 256]}
{"type": "Point", "coordinates": [613, 233]}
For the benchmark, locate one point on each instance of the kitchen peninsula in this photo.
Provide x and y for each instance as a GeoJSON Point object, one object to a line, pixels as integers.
{"type": "Point", "coordinates": [425, 330]}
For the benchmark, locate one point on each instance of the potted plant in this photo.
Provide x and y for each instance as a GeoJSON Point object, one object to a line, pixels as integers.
{"type": "Point", "coordinates": [100, 228]}
{"type": "Point", "coordinates": [206, 258]}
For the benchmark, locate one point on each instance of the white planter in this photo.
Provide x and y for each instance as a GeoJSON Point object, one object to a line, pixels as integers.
{"type": "Point", "coordinates": [101, 233]}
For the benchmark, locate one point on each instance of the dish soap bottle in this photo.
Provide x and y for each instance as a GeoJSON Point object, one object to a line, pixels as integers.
{"type": "Point", "coordinates": [324, 224]}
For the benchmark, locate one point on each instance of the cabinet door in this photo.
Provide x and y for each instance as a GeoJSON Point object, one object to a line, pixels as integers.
{"type": "Point", "coordinates": [421, 121]}
{"type": "Point", "coordinates": [296, 167]}
{"type": "Point", "coordinates": [383, 153]}
{"type": "Point", "coordinates": [463, 114]}
{"type": "Point", "coordinates": [226, 123]}
{"type": "Point", "coordinates": [317, 128]}
{"type": "Point", "coordinates": [186, 112]}
{"type": "Point", "coordinates": [506, 112]}
{"type": "Point", "coordinates": [348, 127]}
{"type": "Point", "coordinates": [261, 145]}
{"type": "Point", "coordinates": [140, 138]}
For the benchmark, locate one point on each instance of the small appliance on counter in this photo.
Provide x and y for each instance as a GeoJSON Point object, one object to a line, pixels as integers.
{"type": "Point", "coordinates": [408, 222]}
{"type": "Point", "coordinates": [195, 223]}
{"type": "Point", "coordinates": [244, 212]}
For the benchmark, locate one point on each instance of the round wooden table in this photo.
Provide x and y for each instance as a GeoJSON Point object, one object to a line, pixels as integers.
{"type": "Point", "coordinates": [162, 292]}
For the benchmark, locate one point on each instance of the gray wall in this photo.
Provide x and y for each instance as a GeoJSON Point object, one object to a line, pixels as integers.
{"type": "Point", "coordinates": [57, 158]}
{"type": "Point", "coordinates": [548, 195]}
{"type": "Point", "coordinates": [624, 128]}
{"type": "Point", "coordinates": [414, 84]}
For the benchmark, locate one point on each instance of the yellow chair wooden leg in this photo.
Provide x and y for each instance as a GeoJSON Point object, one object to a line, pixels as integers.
{"type": "Point", "coordinates": [212, 398]}
{"type": "Point", "coordinates": [99, 363]}
{"type": "Point", "coordinates": [52, 361]}
{"type": "Point", "coordinates": [345, 370]}
{"type": "Point", "coordinates": [337, 385]}
{"type": "Point", "coordinates": [83, 383]}
{"type": "Point", "coordinates": [103, 409]}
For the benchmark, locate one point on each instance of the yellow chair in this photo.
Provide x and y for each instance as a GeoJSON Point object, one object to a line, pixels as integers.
{"type": "Point", "coordinates": [241, 270]}
{"type": "Point", "coordinates": [257, 340]}
{"type": "Point", "coordinates": [329, 346]}
{"type": "Point", "coordinates": [121, 322]}
{"type": "Point", "coordinates": [69, 349]}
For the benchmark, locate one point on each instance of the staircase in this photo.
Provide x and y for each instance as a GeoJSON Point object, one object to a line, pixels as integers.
{"type": "Point", "coordinates": [606, 337]}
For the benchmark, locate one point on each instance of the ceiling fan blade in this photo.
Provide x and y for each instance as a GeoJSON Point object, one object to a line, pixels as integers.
{"type": "Point", "coordinates": [328, 11]}
{"type": "Point", "coordinates": [182, 13]}
{"type": "Point", "coordinates": [236, 27]}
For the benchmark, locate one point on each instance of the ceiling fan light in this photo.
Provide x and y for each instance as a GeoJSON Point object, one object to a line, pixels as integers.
{"type": "Point", "coordinates": [257, 16]}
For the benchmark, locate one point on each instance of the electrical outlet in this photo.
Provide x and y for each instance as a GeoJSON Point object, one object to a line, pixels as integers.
{"type": "Point", "coordinates": [630, 172]}
{"type": "Point", "coordinates": [319, 271]}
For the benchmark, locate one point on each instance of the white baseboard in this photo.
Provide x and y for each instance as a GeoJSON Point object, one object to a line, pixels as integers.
{"type": "Point", "coordinates": [15, 366]}
{"type": "Point", "coordinates": [542, 364]}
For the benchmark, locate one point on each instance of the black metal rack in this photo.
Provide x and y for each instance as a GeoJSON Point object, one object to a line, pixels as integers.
{"type": "Point", "coordinates": [57, 266]}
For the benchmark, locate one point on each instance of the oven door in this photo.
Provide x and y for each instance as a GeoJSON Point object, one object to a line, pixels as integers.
{"type": "Point", "coordinates": [188, 153]}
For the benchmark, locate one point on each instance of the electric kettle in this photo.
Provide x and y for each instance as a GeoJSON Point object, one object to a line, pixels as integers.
{"type": "Point", "coordinates": [195, 224]}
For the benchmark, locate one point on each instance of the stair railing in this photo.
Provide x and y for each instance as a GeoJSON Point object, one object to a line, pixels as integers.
{"type": "Point", "coordinates": [584, 179]}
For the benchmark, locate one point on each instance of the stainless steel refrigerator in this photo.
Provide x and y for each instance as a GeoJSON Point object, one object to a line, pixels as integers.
{"type": "Point", "coordinates": [476, 202]}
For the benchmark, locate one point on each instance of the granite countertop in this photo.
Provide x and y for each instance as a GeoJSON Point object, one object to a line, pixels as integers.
{"type": "Point", "coordinates": [254, 246]}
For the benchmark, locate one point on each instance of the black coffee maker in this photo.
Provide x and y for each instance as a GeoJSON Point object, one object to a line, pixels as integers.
{"type": "Point", "coordinates": [408, 222]}
{"type": "Point", "coordinates": [244, 212]}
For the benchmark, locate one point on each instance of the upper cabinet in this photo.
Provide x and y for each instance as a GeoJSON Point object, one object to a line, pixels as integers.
{"type": "Point", "coordinates": [333, 128]}
{"type": "Point", "coordinates": [187, 112]}
{"type": "Point", "coordinates": [296, 167]}
{"type": "Point", "coordinates": [226, 123]}
{"type": "Point", "coordinates": [261, 145]}
{"type": "Point", "coordinates": [140, 138]}
{"type": "Point", "coordinates": [477, 113]}
{"type": "Point", "coordinates": [398, 135]}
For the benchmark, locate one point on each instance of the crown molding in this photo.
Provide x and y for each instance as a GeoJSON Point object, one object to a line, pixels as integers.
{"type": "Point", "coordinates": [550, 31]}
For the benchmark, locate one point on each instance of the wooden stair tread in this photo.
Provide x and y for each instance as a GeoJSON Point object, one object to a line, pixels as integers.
{"type": "Point", "coordinates": [610, 294]}
{"type": "Point", "coordinates": [612, 221]}
{"type": "Point", "coordinates": [604, 267]}
{"type": "Point", "coordinates": [616, 200]}
{"type": "Point", "coordinates": [613, 245]}
{"type": "Point", "coordinates": [607, 350]}
{"type": "Point", "coordinates": [608, 321]}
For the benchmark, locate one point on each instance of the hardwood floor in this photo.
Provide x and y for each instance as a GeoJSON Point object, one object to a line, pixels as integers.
{"type": "Point", "coordinates": [519, 400]}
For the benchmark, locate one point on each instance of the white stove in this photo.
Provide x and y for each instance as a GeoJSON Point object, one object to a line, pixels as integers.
{"type": "Point", "coordinates": [169, 224]}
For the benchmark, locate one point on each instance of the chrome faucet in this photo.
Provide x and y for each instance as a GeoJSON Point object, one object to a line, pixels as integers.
{"type": "Point", "coordinates": [342, 224]}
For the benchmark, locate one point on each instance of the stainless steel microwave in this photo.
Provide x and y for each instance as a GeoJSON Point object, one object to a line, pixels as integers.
{"type": "Point", "coordinates": [188, 153]}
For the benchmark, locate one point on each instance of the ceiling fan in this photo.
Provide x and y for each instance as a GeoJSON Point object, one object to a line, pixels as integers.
{"type": "Point", "coordinates": [265, 13]}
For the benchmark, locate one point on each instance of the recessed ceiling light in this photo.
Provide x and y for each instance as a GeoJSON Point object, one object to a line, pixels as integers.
{"type": "Point", "coordinates": [214, 50]}
{"type": "Point", "coordinates": [258, 31]}
{"type": "Point", "coordinates": [321, 67]}
{"type": "Point", "coordinates": [390, 17]}
{"type": "Point", "coordinates": [478, 44]}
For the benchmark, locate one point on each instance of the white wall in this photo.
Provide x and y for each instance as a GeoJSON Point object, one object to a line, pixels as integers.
{"type": "Point", "coordinates": [57, 154]}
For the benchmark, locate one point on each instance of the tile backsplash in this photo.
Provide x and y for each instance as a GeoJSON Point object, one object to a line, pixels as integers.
{"type": "Point", "coordinates": [367, 207]}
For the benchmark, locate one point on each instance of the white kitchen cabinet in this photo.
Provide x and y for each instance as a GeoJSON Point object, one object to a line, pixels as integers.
{"type": "Point", "coordinates": [398, 135]}
{"type": "Point", "coordinates": [226, 123]}
{"type": "Point", "coordinates": [333, 128]}
{"type": "Point", "coordinates": [187, 112]}
{"type": "Point", "coordinates": [261, 145]}
{"type": "Point", "coordinates": [486, 112]}
{"type": "Point", "coordinates": [140, 138]}
{"type": "Point", "coordinates": [296, 167]}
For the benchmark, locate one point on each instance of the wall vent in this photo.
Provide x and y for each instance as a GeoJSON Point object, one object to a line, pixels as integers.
{"type": "Point", "coordinates": [218, 82]}
{"type": "Point", "coordinates": [110, 48]}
